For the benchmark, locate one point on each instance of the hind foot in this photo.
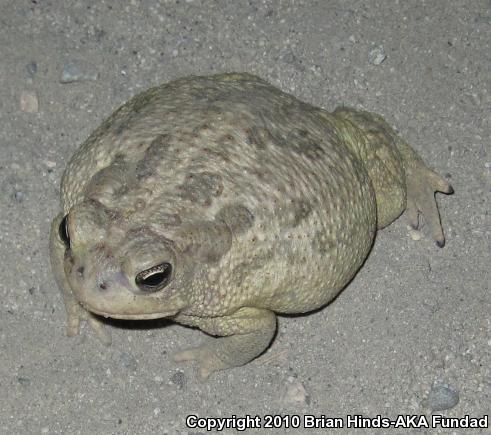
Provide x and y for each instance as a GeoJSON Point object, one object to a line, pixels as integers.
{"type": "Point", "coordinates": [421, 185]}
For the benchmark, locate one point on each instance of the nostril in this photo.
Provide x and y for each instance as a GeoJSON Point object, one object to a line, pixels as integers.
{"type": "Point", "coordinates": [103, 286]}
{"type": "Point", "coordinates": [80, 271]}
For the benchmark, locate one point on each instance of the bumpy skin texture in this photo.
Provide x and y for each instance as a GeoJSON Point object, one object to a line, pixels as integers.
{"type": "Point", "coordinates": [253, 201]}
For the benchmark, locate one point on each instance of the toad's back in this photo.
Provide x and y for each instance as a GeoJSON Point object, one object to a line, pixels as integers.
{"type": "Point", "coordinates": [199, 146]}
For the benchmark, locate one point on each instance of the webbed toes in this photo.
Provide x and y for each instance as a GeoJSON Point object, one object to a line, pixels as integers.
{"type": "Point", "coordinates": [421, 188]}
{"type": "Point", "coordinates": [204, 356]}
{"type": "Point", "coordinates": [100, 330]}
{"type": "Point", "coordinates": [438, 183]}
{"type": "Point", "coordinates": [76, 313]}
{"type": "Point", "coordinates": [74, 316]}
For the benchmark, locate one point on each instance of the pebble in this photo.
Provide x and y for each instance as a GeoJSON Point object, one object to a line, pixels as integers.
{"type": "Point", "coordinates": [23, 380]}
{"type": "Point", "coordinates": [29, 102]}
{"type": "Point", "coordinates": [296, 394]}
{"type": "Point", "coordinates": [18, 196]}
{"type": "Point", "coordinates": [32, 68]}
{"type": "Point", "coordinates": [289, 57]}
{"type": "Point", "coordinates": [128, 361]}
{"type": "Point", "coordinates": [415, 234]}
{"type": "Point", "coordinates": [482, 19]}
{"type": "Point", "coordinates": [441, 397]}
{"type": "Point", "coordinates": [179, 379]}
{"type": "Point", "coordinates": [377, 55]}
{"type": "Point", "coordinates": [360, 83]}
{"type": "Point", "coordinates": [77, 72]}
{"type": "Point", "coordinates": [50, 164]}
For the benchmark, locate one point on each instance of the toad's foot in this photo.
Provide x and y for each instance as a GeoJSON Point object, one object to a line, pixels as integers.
{"type": "Point", "coordinates": [75, 313]}
{"type": "Point", "coordinates": [244, 335]}
{"type": "Point", "coordinates": [205, 355]}
{"type": "Point", "coordinates": [421, 185]}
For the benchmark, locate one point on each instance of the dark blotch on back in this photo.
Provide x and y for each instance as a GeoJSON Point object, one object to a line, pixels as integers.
{"type": "Point", "coordinates": [201, 187]}
{"type": "Point", "coordinates": [170, 219]}
{"type": "Point", "coordinates": [257, 137]}
{"type": "Point", "coordinates": [237, 217]}
{"type": "Point", "coordinates": [204, 241]}
{"type": "Point", "coordinates": [301, 142]}
{"type": "Point", "coordinates": [302, 209]}
{"type": "Point", "coordinates": [153, 156]}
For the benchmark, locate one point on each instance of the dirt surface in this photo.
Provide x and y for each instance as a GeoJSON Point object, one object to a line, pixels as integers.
{"type": "Point", "coordinates": [410, 335]}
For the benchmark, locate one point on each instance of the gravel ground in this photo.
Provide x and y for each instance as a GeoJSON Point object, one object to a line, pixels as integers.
{"type": "Point", "coordinates": [410, 335]}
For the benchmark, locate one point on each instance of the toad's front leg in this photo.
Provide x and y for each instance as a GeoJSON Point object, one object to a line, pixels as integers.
{"type": "Point", "coordinates": [75, 312]}
{"type": "Point", "coordinates": [242, 337]}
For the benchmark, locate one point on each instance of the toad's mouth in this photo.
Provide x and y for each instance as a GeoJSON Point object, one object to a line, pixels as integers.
{"type": "Point", "coordinates": [131, 316]}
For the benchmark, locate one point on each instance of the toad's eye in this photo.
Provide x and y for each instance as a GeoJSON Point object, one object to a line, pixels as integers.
{"type": "Point", "coordinates": [63, 230]}
{"type": "Point", "coordinates": [155, 278]}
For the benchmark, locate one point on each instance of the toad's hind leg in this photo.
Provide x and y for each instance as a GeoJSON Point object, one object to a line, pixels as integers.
{"type": "Point", "coordinates": [242, 337]}
{"type": "Point", "coordinates": [400, 178]}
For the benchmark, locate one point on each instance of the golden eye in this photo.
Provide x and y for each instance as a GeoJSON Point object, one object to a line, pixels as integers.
{"type": "Point", "coordinates": [155, 278]}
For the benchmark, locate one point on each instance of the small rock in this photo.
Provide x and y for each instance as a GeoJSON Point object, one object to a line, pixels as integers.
{"type": "Point", "coordinates": [289, 57]}
{"type": "Point", "coordinates": [377, 55]}
{"type": "Point", "coordinates": [23, 380]}
{"type": "Point", "coordinates": [128, 361]}
{"type": "Point", "coordinates": [18, 196]}
{"type": "Point", "coordinates": [415, 234]}
{"type": "Point", "coordinates": [296, 394]}
{"type": "Point", "coordinates": [179, 379]}
{"type": "Point", "coordinates": [77, 72]}
{"type": "Point", "coordinates": [360, 83]}
{"type": "Point", "coordinates": [352, 39]}
{"type": "Point", "coordinates": [32, 68]}
{"type": "Point", "coordinates": [29, 102]}
{"type": "Point", "coordinates": [441, 397]}
{"type": "Point", "coordinates": [482, 19]}
{"type": "Point", "coordinates": [50, 164]}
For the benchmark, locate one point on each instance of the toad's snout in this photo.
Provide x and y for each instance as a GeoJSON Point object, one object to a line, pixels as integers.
{"type": "Point", "coordinates": [123, 289]}
{"type": "Point", "coordinates": [103, 273]}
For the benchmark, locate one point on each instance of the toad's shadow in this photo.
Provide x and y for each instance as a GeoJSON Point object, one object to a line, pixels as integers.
{"type": "Point", "coordinates": [137, 325]}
